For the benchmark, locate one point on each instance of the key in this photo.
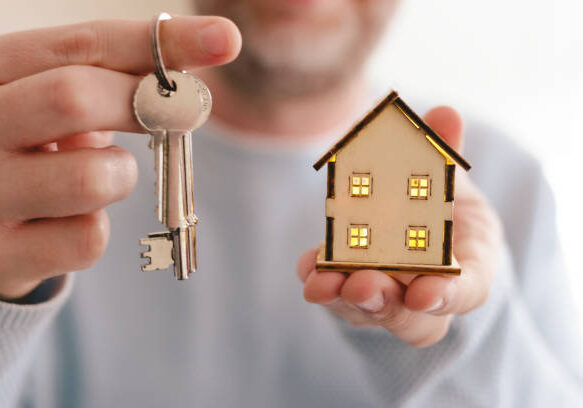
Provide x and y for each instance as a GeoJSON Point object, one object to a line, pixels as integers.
{"type": "Point", "coordinates": [170, 117]}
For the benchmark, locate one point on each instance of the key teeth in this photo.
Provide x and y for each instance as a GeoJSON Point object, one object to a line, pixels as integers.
{"type": "Point", "coordinates": [146, 256]}
{"type": "Point", "coordinates": [146, 267]}
{"type": "Point", "coordinates": [159, 252]}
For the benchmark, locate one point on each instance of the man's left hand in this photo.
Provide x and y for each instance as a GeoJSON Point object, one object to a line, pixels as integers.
{"type": "Point", "coordinates": [418, 309]}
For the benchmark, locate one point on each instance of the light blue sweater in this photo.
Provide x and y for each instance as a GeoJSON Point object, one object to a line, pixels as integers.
{"type": "Point", "coordinates": [239, 333]}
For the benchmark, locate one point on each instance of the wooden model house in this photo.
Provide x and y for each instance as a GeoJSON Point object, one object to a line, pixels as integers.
{"type": "Point", "coordinates": [390, 195]}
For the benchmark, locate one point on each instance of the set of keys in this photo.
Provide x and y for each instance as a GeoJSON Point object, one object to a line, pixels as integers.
{"type": "Point", "coordinates": [170, 105]}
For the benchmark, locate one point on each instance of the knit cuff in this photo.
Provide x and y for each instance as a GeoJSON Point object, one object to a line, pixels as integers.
{"type": "Point", "coordinates": [13, 315]}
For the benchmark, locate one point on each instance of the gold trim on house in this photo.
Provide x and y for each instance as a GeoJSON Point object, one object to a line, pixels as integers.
{"type": "Point", "coordinates": [393, 98]}
{"type": "Point", "coordinates": [448, 158]}
{"type": "Point", "coordinates": [449, 183]}
{"type": "Point", "coordinates": [329, 245]}
{"type": "Point", "coordinates": [447, 242]}
{"type": "Point", "coordinates": [331, 188]}
{"type": "Point", "coordinates": [407, 116]}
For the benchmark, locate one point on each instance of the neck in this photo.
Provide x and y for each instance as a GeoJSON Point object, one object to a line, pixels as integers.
{"type": "Point", "coordinates": [300, 119]}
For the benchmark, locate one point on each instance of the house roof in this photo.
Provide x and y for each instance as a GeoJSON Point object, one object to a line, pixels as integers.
{"type": "Point", "coordinates": [393, 98]}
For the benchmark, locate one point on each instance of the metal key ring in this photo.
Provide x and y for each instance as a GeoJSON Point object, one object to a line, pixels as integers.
{"type": "Point", "coordinates": [164, 83]}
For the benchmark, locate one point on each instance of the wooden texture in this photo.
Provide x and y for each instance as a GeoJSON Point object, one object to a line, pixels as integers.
{"type": "Point", "coordinates": [392, 146]}
{"type": "Point", "coordinates": [350, 267]}
{"type": "Point", "coordinates": [392, 150]}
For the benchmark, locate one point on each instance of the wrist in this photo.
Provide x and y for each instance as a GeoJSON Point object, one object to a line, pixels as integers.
{"type": "Point", "coordinates": [34, 293]}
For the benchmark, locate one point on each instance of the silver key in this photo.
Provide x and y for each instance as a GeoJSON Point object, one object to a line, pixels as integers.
{"type": "Point", "coordinates": [170, 117]}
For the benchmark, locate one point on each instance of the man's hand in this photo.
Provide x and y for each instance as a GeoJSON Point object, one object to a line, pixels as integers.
{"type": "Point", "coordinates": [61, 90]}
{"type": "Point", "coordinates": [418, 308]}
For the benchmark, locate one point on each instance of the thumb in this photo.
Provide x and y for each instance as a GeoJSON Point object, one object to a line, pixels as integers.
{"type": "Point", "coordinates": [448, 124]}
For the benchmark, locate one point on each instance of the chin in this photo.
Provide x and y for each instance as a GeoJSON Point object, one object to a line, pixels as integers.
{"type": "Point", "coordinates": [300, 46]}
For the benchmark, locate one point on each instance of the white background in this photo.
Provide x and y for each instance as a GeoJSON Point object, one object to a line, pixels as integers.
{"type": "Point", "coordinates": [515, 63]}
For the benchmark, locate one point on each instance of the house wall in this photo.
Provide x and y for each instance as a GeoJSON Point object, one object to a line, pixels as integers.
{"type": "Point", "coordinates": [391, 148]}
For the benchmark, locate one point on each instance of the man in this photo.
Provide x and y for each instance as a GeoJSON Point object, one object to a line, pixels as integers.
{"type": "Point", "coordinates": [239, 334]}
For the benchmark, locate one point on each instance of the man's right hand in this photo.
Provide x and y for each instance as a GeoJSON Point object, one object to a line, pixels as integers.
{"type": "Point", "coordinates": [61, 91]}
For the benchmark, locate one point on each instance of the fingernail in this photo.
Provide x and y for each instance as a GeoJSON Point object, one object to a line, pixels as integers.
{"type": "Point", "coordinates": [213, 40]}
{"type": "Point", "coordinates": [436, 306]}
{"type": "Point", "coordinates": [374, 304]}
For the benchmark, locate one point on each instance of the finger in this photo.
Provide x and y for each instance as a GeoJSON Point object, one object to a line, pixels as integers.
{"type": "Point", "coordinates": [448, 123]}
{"type": "Point", "coordinates": [46, 248]}
{"type": "Point", "coordinates": [476, 242]}
{"type": "Point", "coordinates": [306, 264]}
{"type": "Point", "coordinates": [186, 42]}
{"type": "Point", "coordinates": [64, 102]}
{"type": "Point", "coordinates": [404, 278]}
{"type": "Point", "coordinates": [59, 184]}
{"type": "Point", "coordinates": [88, 139]}
{"type": "Point", "coordinates": [323, 287]}
{"type": "Point", "coordinates": [380, 297]}
{"type": "Point", "coordinates": [445, 295]}
{"type": "Point", "coordinates": [350, 313]}
{"type": "Point", "coordinates": [431, 295]}
{"type": "Point", "coordinates": [369, 289]}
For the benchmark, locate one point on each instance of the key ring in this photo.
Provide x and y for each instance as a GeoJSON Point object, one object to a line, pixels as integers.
{"type": "Point", "coordinates": [165, 87]}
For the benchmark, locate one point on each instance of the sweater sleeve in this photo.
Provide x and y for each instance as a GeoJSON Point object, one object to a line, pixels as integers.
{"type": "Point", "coordinates": [21, 327]}
{"type": "Point", "coordinates": [521, 348]}
{"type": "Point", "coordinates": [494, 356]}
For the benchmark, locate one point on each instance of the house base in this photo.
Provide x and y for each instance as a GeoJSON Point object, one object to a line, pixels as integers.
{"type": "Point", "coordinates": [333, 266]}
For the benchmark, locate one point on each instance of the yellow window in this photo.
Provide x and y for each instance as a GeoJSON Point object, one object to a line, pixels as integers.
{"type": "Point", "coordinates": [358, 236]}
{"type": "Point", "coordinates": [417, 238]}
{"type": "Point", "coordinates": [419, 187]}
{"type": "Point", "coordinates": [360, 185]}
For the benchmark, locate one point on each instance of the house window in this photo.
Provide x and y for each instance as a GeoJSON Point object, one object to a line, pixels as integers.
{"type": "Point", "coordinates": [358, 236]}
{"type": "Point", "coordinates": [417, 238]}
{"type": "Point", "coordinates": [360, 185]}
{"type": "Point", "coordinates": [419, 187]}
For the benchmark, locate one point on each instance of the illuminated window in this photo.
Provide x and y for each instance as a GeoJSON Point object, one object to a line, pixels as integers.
{"type": "Point", "coordinates": [358, 236]}
{"type": "Point", "coordinates": [419, 187]}
{"type": "Point", "coordinates": [360, 185]}
{"type": "Point", "coordinates": [417, 238]}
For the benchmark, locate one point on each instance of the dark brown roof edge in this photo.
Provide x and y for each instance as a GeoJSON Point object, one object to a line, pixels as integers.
{"type": "Point", "coordinates": [436, 138]}
{"type": "Point", "coordinates": [357, 128]}
{"type": "Point", "coordinates": [393, 97]}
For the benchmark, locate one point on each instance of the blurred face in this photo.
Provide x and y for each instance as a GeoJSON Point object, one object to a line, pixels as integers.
{"type": "Point", "coordinates": [294, 48]}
